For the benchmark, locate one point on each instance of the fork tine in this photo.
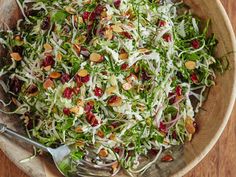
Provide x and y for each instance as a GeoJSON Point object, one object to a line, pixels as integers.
{"type": "Point", "coordinates": [89, 173]}
{"type": "Point", "coordinates": [94, 165]}
{"type": "Point", "coordinates": [84, 167]}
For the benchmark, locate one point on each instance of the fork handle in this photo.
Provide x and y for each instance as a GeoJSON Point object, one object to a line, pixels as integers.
{"type": "Point", "coordinates": [7, 131]}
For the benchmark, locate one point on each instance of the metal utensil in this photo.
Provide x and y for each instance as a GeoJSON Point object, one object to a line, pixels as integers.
{"type": "Point", "coordinates": [61, 158]}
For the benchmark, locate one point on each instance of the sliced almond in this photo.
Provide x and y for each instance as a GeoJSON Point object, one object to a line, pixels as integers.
{"type": "Point", "coordinates": [104, 14]}
{"type": "Point", "coordinates": [79, 110]}
{"type": "Point", "coordinates": [75, 19]}
{"type": "Point", "coordinates": [95, 57]}
{"type": "Point", "coordinates": [18, 38]}
{"type": "Point", "coordinates": [100, 133]}
{"type": "Point", "coordinates": [123, 56]}
{"type": "Point", "coordinates": [70, 10]}
{"type": "Point", "coordinates": [110, 90]}
{"type": "Point", "coordinates": [80, 102]}
{"type": "Point", "coordinates": [115, 167]}
{"type": "Point", "coordinates": [47, 47]}
{"type": "Point", "coordinates": [149, 121]}
{"type": "Point", "coordinates": [190, 65]}
{"type": "Point", "coordinates": [112, 136]}
{"type": "Point", "coordinates": [141, 108]}
{"type": "Point", "coordinates": [80, 144]}
{"type": "Point", "coordinates": [48, 84]}
{"type": "Point", "coordinates": [80, 20]}
{"type": "Point", "coordinates": [54, 109]}
{"type": "Point", "coordinates": [15, 102]}
{"type": "Point", "coordinates": [86, 2]}
{"type": "Point", "coordinates": [81, 39]}
{"type": "Point", "coordinates": [55, 75]}
{"type": "Point", "coordinates": [113, 80]}
{"type": "Point", "coordinates": [79, 129]}
{"type": "Point", "coordinates": [117, 28]}
{"type": "Point", "coordinates": [83, 73]}
{"type": "Point", "coordinates": [47, 68]}
{"type": "Point", "coordinates": [59, 56]}
{"type": "Point", "coordinates": [103, 153]}
{"type": "Point", "coordinates": [190, 136]}
{"type": "Point", "coordinates": [16, 56]}
{"type": "Point", "coordinates": [143, 50]}
{"type": "Point", "coordinates": [136, 68]}
{"type": "Point", "coordinates": [127, 86]}
{"type": "Point", "coordinates": [77, 48]}
{"type": "Point", "coordinates": [108, 34]}
{"type": "Point", "coordinates": [115, 101]}
{"type": "Point", "coordinates": [189, 125]}
{"type": "Point", "coordinates": [131, 78]}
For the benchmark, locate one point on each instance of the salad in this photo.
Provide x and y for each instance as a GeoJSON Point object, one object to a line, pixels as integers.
{"type": "Point", "coordinates": [118, 75]}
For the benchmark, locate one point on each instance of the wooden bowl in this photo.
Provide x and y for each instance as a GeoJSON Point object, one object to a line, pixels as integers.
{"type": "Point", "coordinates": [211, 122]}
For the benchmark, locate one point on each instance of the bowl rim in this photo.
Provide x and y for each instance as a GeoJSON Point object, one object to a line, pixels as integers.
{"type": "Point", "coordinates": [220, 130]}
{"type": "Point", "coordinates": [232, 101]}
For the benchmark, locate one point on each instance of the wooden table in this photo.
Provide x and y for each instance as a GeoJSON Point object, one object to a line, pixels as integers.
{"type": "Point", "coordinates": [220, 162]}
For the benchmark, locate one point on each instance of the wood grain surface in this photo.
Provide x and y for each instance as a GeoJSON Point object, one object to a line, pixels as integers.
{"type": "Point", "coordinates": [220, 162]}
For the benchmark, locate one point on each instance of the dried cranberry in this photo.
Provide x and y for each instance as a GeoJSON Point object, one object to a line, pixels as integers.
{"type": "Point", "coordinates": [84, 51]}
{"type": "Point", "coordinates": [113, 99]}
{"type": "Point", "coordinates": [194, 78]}
{"type": "Point", "coordinates": [162, 127]}
{"type": "Point", "coordinates": [32, 120]}
{"type": "Point", "coordinates": [145, 76]}
{"type": "Point", "coordinates": [45, 23]}
{"type": "Point", "coordinates": [99, 9]}
{"type": "Point", "coordinates": [195, 44]}
{"type": "Point", "coordinates": [105, 73]}
{"type": "Point", "coordinates": [171, 97]}
{"type": "Point", "coordinates": [92, 119]}
{"type": "Point", "coordinates": [167, 158]}
{"type": "Point", "coordinates": [88, 107]}
{"type": "Point", "coordinates": [127, 35]}
{"type": "Point", "coordinates": [180, 76]}
{"type": "Point", "coordinates": [115, 124]}
{"type": "Point", "coordinates": [161, 23]}
{"type": "Point", "coordinates": [66, 111]}
{"type": "Point", "coordinates": [117, 3]}
{"type": "Point", "coordinates": [66, 29]}
{"type": "Point", "coordinates": [101, 31]}
{"type": "Point", "coordinates": [48, 61]}
{"type": "Point", "coordinates": [68, 93]}
{"type": "Point", "coordinates": [117, 150]}
{"type": "Point", "coordinates": [178, 90]}
{"type": "Point", "coordinates": [89, 16]}
{"type": "Point", "coordinates": [32, 89]}
{"type": "Point", "coordinates": [98, 92]}
{"type": "Point", "coordinates": [31, 12]}
{"type": "Point", "coordinates": [15, 85]}
{"type": "Point", "coordinates": [76, 90]}
{"type": "Point", "coordinates": [124, 66]}
{"type": "Point", "coordinates": [85, 79]}
{"type": "Point", "coordinates": [153, 152]}
{"type": "Point", "coordinates": [65, 78]}
{"type": "Point", "coordinates": [18, 49]}
{"type": "Point", "coordinates": [78, 81]}
{"type": "Point", "coordinates": [90, 28]}
{"type": "Point", "coordinates": [86, 15]}
{"type": "Point", "coordinates": [174, 135]}
{"type": "Point", "coordinates": [167, 37]}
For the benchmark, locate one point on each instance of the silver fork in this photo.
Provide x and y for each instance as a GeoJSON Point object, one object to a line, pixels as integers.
{"type": "Point", "coordinates": [61, 158]}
